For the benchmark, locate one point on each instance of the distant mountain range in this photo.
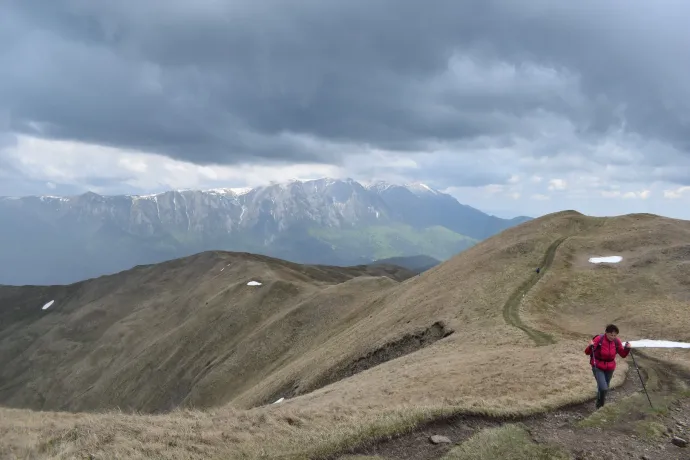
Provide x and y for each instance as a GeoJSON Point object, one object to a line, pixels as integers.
{"type": "Point", "coordinates": [57, 240]}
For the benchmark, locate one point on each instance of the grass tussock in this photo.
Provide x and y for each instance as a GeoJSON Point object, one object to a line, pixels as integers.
{"type": "Point", "coordinates": [650, 430]}
{"type": "Point", "coordinates": [508, 442]}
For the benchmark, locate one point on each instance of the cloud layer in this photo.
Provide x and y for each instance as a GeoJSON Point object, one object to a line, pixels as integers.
{"type": "Point", "coordinates": [458, 94]}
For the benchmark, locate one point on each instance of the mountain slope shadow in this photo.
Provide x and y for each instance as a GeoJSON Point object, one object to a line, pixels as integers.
{"type": "Point", "coordinates": [405, 345]}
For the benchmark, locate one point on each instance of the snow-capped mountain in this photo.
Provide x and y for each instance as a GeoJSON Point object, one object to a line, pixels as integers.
{"type": "Point", "coordinates": [65, 239]}
{"type": "Point", "coordinates": [415, 187]}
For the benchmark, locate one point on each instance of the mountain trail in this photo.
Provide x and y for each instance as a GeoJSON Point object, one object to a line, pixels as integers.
{"type": "Point", "coordinates": [619, 430]}
{"type": "Point", "coordinates": [511, 309]}
{"type": "Point", "coordinates": [576, 428]}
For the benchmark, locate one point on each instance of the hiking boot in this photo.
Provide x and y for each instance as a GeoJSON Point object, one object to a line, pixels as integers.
{"type": "Point", "coordinates": [602, 398]}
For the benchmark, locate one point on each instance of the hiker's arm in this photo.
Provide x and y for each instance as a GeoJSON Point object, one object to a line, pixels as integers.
{"type": "Point", "coordinates": [588, 350]}
{"type": "Point", "coordinates": [623, 351]}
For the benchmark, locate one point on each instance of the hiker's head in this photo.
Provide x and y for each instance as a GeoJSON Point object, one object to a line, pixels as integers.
{"type": "Point", "coordinates": [611, 331]}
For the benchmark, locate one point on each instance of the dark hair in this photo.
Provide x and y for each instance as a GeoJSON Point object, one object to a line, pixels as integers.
{"type": "Point", "coordinates": [612, 328]}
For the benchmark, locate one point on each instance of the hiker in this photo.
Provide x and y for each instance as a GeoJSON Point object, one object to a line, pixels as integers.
{"type": "Point", "coordinates": [603, 360]}
{"type": "Point", "coordinates": [537, 269]}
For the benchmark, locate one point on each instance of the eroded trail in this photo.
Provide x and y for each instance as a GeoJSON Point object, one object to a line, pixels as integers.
{"type": "Point", "coordinates": [511, 309]}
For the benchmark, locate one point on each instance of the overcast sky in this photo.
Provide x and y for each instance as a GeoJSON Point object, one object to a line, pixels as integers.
{"type": "Point", "coordinates": [517, 107]}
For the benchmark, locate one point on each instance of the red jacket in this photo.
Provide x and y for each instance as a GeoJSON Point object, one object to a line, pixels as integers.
{"type": "Point", "coordinates": [605, 356]}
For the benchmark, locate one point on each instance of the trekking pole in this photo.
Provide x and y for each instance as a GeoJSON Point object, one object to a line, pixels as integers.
{"type": "Point", "coordinates": [641, 381]}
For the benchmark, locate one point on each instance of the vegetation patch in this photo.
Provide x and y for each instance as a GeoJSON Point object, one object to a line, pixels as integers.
{"type": "Point", "coordinates": [650, 430]}
{"type": "Point", "coordinates": [511, 441]}
{"type": "Point", "coordinates": [394, 240]}
{"type": "Point", "coordinates": [636, 406]}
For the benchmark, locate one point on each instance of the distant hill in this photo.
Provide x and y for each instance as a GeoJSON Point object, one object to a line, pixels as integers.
{"type": "Point", "coordinates": [195, 320]}
{"type": "Point", "coordinates": [417, 264]}
{"type": "Point", "coordinates": [58, 240]}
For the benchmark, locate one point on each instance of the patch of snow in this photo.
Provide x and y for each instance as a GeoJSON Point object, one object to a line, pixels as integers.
{"type": "Point", "coordinates": [229, 191]}
{"type": "Point", "coordinates": [319, 184]}
{"type": "Point", "coordinates": [53, 198]}
{"type": "Point", "coordinates": [605, 260]}
{"type": "Point", "coordinates": [186, 212]}
{"type": "Point", "coordinates": [379, 186]}
{"type": "Point", "coordinates": [253, 283]}
{"type": "Point", "coordinates": [222, 269]}
{"type": "Point", "coordinates": [158, 209]}
{"type": "Point", "coordinates": [279, 401]}
{"type": "Point", "coordinates": [241, 191]}
{"type": "Point", "coordinates": [418, 187]}
{"type": "Point", "coordinates": [219, 191]}
{"type": "Point", "coordinates": [648, 343]}
{"type": "Point", "coordinates": [153, 197]}
{"type": "Point", "coordinates": [48, 305]}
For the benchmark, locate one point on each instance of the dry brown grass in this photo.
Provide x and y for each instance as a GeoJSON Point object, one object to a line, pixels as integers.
{"type": "Point", "coordinates": [645, 295]}
{"type": "Point", "coordinates": [486, 366]}
{"type": "Point", "coordinates": [183, 332]}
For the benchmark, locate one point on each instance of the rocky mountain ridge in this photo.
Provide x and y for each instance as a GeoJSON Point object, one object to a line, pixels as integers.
{"type": "Point", "coordinates": [328, 221]}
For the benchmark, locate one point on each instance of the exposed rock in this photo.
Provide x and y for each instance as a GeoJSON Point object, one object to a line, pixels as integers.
{"type": "Point", "coordinates": [437, 439]}
{"type": "Point", "coordinates": [680, 442]}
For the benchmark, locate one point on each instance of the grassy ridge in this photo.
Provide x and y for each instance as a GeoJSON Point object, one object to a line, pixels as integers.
{"type": "Point", "coordinates": [395, 240]}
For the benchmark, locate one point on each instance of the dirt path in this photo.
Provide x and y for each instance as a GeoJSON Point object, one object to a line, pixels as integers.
{"type": "Point", "coordinates": [511, 309]}
{"type": "Point", "coordinates": [617, 438]}
{"type": "Point", "coordinates": [416, 445]}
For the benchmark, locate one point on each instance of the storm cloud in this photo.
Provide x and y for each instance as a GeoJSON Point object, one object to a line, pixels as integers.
{"type": "Point", "coordinates": [240, 81]}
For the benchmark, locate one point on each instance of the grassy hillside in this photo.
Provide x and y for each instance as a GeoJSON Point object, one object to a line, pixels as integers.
{"type": "Point", "coordinates": [161, 336]}
{"type": "Point", "coordinates": [419, 263]}
{"type": "Point", "coordinates": [395, 240]}
{"type": "Point", "coordinates": [356, 358]}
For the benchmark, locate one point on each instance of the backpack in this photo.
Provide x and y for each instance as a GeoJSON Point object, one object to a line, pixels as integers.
{"type": "Point", "coordinates": [598, 345]}
{"type": "Point", "coordinates": [594, 349]}
{"type": "Point", "coordinates": [600, 340]}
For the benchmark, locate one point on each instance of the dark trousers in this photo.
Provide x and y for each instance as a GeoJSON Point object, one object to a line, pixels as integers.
{"type": "Point", "coordinates": [603, 379]}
